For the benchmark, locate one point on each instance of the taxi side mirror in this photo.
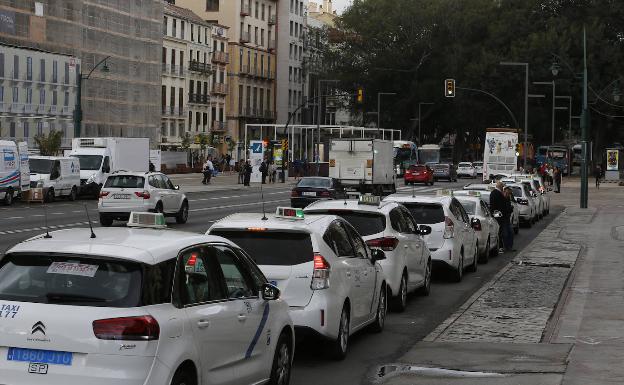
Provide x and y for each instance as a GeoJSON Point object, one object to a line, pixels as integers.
{"type": "Point", "coordinates": [270, 292]}
{"type": "Point", "coordinates": [176, 187]}
{"type": "Point", "coordinates": [424, 230]}
{"type": "Point", "coordinates": [377, 255]}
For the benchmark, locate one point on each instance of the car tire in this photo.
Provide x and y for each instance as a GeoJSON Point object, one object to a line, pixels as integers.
{"type": "Point", "coordinates": [183, 377]}
{"type": "Point", "coordinates": [486, 256]}
{"type": "Point", "coordinates": [73, 195]}
{"type": "Point", "coordinates": [282, 362]}
{"type": "Point", "coordinates": [458, 274]}
{"type": "Point", "coordinates": [8, 198]}
{"type": "Point", "coordinates": [340, 345]}
{"type": "Point", "coordinates": [106, 221]}
{"type": "Point", "coordinates": [399, 302]}
{"type": "Point", "coordinates": [182, 215]}
{"type": "Point", "coordinates": [382, 310]}
{"type": "Point", "coordinates": [425, 289]}
{"type": "Point", "coordinates": [49, 197]}
{"type": "Point", "coordinates": [475, 260]}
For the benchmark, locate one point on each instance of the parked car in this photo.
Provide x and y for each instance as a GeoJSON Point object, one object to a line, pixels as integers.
{"type": "Point", "coordinates": [479, 167]}
{"type": "Point", "coordinates": [445, 171]}
{"type": "Point", "coordinates": [526, 203]}
{"type": "Point", "coordinates": [485, 190]}
{"type": "Point", "coordinates": [125, 192]}
{"type": "Point", "coordinates": [483, 222]}
{"type": "Point", "coordinates": [419, 174]}
{"type": "Point", "coordinates": [390, 227]}
{"type": "Point", "coordinates": [58, 177]}
{"type": "Point", "coordinates": [312, 189]}
{"type": "Point", "coordinates": [466, 169]}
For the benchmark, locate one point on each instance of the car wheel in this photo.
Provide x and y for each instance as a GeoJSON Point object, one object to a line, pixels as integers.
{"type": "Point", "coordinates": [183, 377]}
{"type": "Point", "coordinates": [399, 302]}
{"type": "Point", "coordinates": [340, 345]}
{"type": "Point", "coordinates": [73, 195]}
{"type": "Point", "coordinates": [106, 221]}
{"type": "Point", "coordinates": [282, 362]}
{"type": "Point", "coordinates": [8, 198]}
{"type": "Point", "coordinates": [426, 287]}
{"type": "Point", "coordinates": [459, 272]}
{"type": "Point", "coordinates": [382, 310]}
{"type": "Point", "coordinates": [486, 256]}
{"type": "Point", "coordinates": [495, 251]}
{"type": "Point", "coordinates": [182, 215]}
{"type": "Point", "coordinates": [49, 195]}
{"type": "Point", "coordinates": [475, 260]}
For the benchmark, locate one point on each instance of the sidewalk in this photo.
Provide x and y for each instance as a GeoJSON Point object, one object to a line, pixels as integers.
{"type": "Point", "coordinates": [554, 315]}
{"type": "Point", "coordinates": [191, 183]}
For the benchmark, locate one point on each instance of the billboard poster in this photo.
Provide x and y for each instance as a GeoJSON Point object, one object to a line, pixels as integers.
{"type": "Point", "coordinates": [256, 155]}
{"type": "Point", "coordinates": [612, 160]}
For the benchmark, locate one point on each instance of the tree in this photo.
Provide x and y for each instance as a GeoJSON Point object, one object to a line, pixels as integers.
{"type": "Point", "coordinates": [231, 145]}
{"type": "Point", "coordinates": [49, 145]}
{"type": "Point", "coordinates": [186, 141]}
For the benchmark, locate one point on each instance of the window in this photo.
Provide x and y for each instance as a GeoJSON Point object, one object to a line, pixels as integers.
{"type": "Point", "coordinates": [28, 95]}
{"type": "Point", "coordinates": [125, 181]}
{"type": "Point", "coordinates": [336, 237]}
{"type": "Point", "coordinates": [201, 280]}
{"type": "Point", "coordinates": [15, 67]}
{"type": "Point", "coordinates": [212, 5]}
{"type": "Point", "coordinates": [55, 98]}
{"type": "Point", "coordinates": [174, 30]}
{"type": "Point", "coordinates": [262, 36]}
{"type": "Point", "coordinates": [256, 35]}
{"type": "Point", "coordinates": [27, 129]}
{"type": "Point", "coordinates": [238, 281]}
{"type": "Point", "coordinates": [263, 12]}
{"type": "Point", "coordinates": [1, 64]}
{"type": "Point", "coordinates": [291, 28]}
{"type": "Point", "coordinates": [42, 97]}
{"type": "Point", "coordinates": [165, 182]}
{"type": "Point", "coordinates": [1, 94]}
{"type": "Point", "coordinates": [182, 29]}
{"type": "Point", "coordinates": [28, 68]}
{"type": "Point", "coordinates": [66, 80]}
{"type": "Point", "coordinates": [165, 25]}
{"type": "Point", "coordinates": [15, 94]}
{"type": "Point", "coordinates": [358, 244]}
{"type": "Point", "coordinates": [12, 129]}
{"type": "Point", "coordinates": [42, 71]}
{"type": "Point", "coordinates": [256, 10]}
{"type": "Point", "coordinates": [173, 59]}
{"type": "Point", "coordinates": [397, 221]}
{"type": "Point", "coordinates": [192, 33]}
{"type": "Point", "coordinates": [190, 121]}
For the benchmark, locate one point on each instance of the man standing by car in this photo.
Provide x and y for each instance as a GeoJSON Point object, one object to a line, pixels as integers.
{"type": "Point", "coordinates": [207, 171]}
{"type": "Point", "coordinates": [498, 202]}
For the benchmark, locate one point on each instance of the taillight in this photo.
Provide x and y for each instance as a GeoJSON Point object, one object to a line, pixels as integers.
{"type": "Point", "coordinates": [385, 243]}
{"type": "Point", "coordinates": [476, 226]}
{"type": "Point", "coordinates": [449, 228]}
{"type": "Point", "coordinates": [325, 194]}
{"type": "Point", "coordinates": [523, 201]}
{"type": "Point", "coordinates": [320, 275]}
{"type": "Point", "coordinates": [408, 172]}
{"type": "Point", "coordinates": [294, 193]}
{"type": "Point", "coordinates": [143, 328]}
{"type": "Point", "coordinates": [144, 194]}
{"type": "Point", "coordinates": [104, 194]}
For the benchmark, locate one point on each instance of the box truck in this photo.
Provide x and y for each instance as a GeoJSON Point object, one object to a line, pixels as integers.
{"type": "Point", "coordinates": [101, 156]}
{"type": "Point", "coordinates": [14, 172]}
{"type": "Point", "coordinates": [499, 156]}
{"type": "Point", "coordinates": [363, 165]}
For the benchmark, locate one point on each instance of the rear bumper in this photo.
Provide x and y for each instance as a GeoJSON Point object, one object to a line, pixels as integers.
{"type": "Point", "coordinates": [321, 316]}
{"type": "Point", "coordinates": [445, 256]}
{"type": "Point", "coordinates": [123, 213]}
{"type": "Point", "coordinates": [418, 179]}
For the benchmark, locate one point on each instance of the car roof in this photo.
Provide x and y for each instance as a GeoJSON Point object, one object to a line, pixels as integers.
{"type": "Point", "coordinates": [150, 246]}
{"type": "Point", "coordinates": [51, 157]}
{"type": "Point", "coordinates": [418, 198]}
{"type": "Point", "coordinates": [351, 205]}
{"type": "Point", "coordinates": [135, 173]}
{"type": "Point", "coordinates": [314, 223]}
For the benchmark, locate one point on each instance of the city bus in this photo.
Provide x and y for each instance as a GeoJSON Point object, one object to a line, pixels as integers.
{"type": "Point", "coordinates": [429, 154]}
{"type": "Point", "coordinates": [557, 155]}
{"type": "Point", "coordinates": [405, 155]}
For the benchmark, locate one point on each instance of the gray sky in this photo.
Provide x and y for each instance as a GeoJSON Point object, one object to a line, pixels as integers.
{"type": "Point", "coordinates": [340, 5]}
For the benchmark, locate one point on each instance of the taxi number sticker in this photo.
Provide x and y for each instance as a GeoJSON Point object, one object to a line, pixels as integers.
{"type": "Point", "coordinates": [72, 268]}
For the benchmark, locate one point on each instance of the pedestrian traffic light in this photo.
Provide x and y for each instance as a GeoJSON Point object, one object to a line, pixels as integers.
{"type": "Point", "coordinates": [360, 95]}
{"type": "Point", "coordinates": [449, 88]}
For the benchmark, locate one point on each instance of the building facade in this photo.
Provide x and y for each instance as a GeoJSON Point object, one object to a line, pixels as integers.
{"type": "Point", "coordinates": [252, 60]}
{"type": "Point", "coordinates": [38, 92]}
{"type": "Point", "coordinates": [220, 86]}
{"type": "Point", "coordinates": [186, 77]}
{"type": "Point", "coordinates": [126, 36]}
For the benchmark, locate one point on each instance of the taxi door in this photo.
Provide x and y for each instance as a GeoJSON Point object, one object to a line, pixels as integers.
{"type": "Point", "coordinates": [368, 276]}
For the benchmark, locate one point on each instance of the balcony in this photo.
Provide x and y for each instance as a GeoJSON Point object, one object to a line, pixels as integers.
{"type": "Point", "coordinates": [272, 45]}
{"type": "Point", "coordinates": [177, 70]}
{"type": "Point", "coordinates": [245, 37]}
{"type": "Point", "coordinates": [4, 107]}
{"type": "Point", "coordinates": [17, 108]}
{"type": "Point", "coordinates": [53, 110]}
{"type": "Point", "coordinates": [204, 68]}
{"type": "Point", "coordinates": [198, 99]}
{"type": "Point", "coordinates": [42, 109]}
{"type": "Point", "coordinates": [218, 126]}
{"type": "Point", "coordinates": [245, 71]}
{"type": "Point", "coordinates": [220, 57]}
{"type": "Point", "coordinates": [65, 110]}
{"type": "Point", "coordinates": [29, 109]}
{"type": "Point", "coordinates": [272, 19]}
{"type": "Point", "coordinates": [219, 88]}
{"type": "Point", "coordinates": [245, 10]}
{"type": "Point", "coordinates": [173, 111]}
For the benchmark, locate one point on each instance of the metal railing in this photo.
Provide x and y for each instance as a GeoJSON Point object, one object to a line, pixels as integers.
{"type": "Point", "coordinates": [220, 57]}
{"type": "Point", "coordinates": [196, 66]}
{"type": "Point", "coordinates": [219, 88]}
{"type": "Point", "coordinates": [65, 110]}
{"type": "Point", "coordinates": [173, 111]}
{"type": "Point", "coordinates": [199, 99]}
{"type": "Point", "coordinates": [272, 19]}
{"type": "Point", "coordinates": [245, 37]}
{"type": "Point", "coordinates": [245, 9]}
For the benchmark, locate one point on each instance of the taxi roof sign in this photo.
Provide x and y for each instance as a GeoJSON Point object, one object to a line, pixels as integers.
{"type": "Point", "coordinates": [147, 220]}
{"type": "Point", "coordinates": [474, 193]}
{"type": "Point", "coordinates": [368, 199]}
{"type": "Point", "coordinates": [444, 193]}
{"type": "Point", "coordinates": [289, 212]}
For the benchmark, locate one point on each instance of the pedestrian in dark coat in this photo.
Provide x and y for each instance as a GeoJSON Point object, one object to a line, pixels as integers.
{"type": "Point", "coordinates": [557, 177]}
{"type": "Point", "coordinates": [248, 171]}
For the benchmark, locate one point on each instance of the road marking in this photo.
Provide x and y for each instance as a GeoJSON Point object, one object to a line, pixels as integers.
{"type": "Point", "coordinates": [58, 213]}
{"type": "Point", "coordinates": [14, 218]}
{"type": "Point", "coordinates": [43, 228]}
{"type": "Point", "coordinates": [234, 196]}
{"type": "Point", "coordinates": [239, 205]}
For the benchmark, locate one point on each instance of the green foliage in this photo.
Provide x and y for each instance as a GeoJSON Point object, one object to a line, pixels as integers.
{"type": "Point", "coordinates": [49, 145]}
{"type": "Point", "coordinates": [186, 141]}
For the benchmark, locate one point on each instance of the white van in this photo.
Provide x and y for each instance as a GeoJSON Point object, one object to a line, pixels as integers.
{"type": "Point", "coordinates": [57, 176]}
{"type": "Point", "coordinates": [14, 174]}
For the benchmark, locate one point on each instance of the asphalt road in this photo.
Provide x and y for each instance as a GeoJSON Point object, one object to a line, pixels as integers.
{"type": "Point", "coordinates": [367, 351]}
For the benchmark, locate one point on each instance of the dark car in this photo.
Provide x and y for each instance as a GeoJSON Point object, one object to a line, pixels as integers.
{"type": "Point", "coordinates": [312, 189]}
{"type": "Point", "coordinates": [445, 171]}
{"type": "Point", "coordinates": [419, 174]}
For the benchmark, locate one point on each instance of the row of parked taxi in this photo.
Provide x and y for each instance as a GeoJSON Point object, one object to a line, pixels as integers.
{"type": "Point", "coordinates": [146, 305]}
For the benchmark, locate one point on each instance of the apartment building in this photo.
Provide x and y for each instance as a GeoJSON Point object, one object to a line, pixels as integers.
{"type": "Point", "coordinates": [252, 56]}
{"type": "Point", "coordinates": [186, 76]}
{"type": "Point", "coordinates": [124, 37]}
{"type": "Point", "coordinates": [37, 93]}
{"type": "Point", "coordinates": [220, 85]}
{"type": "Point", "coordinates": [291, 47]}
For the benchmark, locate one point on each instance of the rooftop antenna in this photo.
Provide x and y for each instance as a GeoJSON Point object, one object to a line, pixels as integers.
{"type": "Point", "coordinates": [413, 191]}
{"type": "Point", "coordinates": [264, 217]}
{"type": "Point", "coordinates": [45, 216]}
{"type": "Point", "coordinates": [89, 219]}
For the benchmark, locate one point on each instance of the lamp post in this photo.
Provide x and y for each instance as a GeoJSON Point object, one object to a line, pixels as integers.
{"type": "Point", "coordinates": [78, 107]}
{"type": "Point", "coordinates": [420, 121]}
{"type": "Point", "coordinates": [319, 102]}
{"type": "Point", "coordinates": [379, 108]}
{"type": "Point", "coordinates": [526, 105]}
{"type": "Point", "coordinates": [551, 83]}
{"type": "Point", "coordinates": [569, 108]}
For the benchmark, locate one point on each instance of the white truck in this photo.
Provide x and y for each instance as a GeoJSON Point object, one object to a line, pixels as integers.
{"type": "Point", "coordinates": [499, 156]}
{"type": "Point", "coordinates": [101, 156]}
{"type": "Point", "coordinates": [57, 176]}
{"type": "Point", "coordinates": [363, 165]}
{"type": "Point", "coordinates": [14, 172]}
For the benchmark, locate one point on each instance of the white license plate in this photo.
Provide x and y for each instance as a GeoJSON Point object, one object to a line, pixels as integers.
{"type": "Point", "coordinates": [308, 193]}
{"type": "Point", "coordinates": [121, 196]}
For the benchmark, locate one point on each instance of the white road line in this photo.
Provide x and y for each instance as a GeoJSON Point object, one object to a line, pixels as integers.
{"type": "Point", "coordinates": [58, 213]}
{"type": "Point", "coordinates": [14, 218]}
{"type": "Point", "coordinates": [235, 196]}
{"type": "Point", "coordinates": [239, 205]}
{"type": "Point", "coordinates": [43, 228]}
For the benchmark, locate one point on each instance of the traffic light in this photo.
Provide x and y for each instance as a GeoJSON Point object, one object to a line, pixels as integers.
{"type": "Point", "coordinates": [518, 149]}
{"type": "Point", "coordinates": [449, 88]}
{"type": "Point", "coordinates": [360, 96]}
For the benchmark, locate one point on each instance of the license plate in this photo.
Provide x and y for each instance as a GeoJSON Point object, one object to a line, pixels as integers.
{"type": "Point", "coordinates": [40, 356]}
{"type": "Point", "coordinates": [309, 193]}
{"type": "Point", "coordinates": [37, 368]}
{"type": "Point", "coordinates": [121, 196]}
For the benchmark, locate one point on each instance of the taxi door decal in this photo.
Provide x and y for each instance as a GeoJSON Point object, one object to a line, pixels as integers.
{"type": "Point", "coordinates": [254, 341]}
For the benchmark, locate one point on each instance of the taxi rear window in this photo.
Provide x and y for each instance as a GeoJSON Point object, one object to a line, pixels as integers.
{"type": "Point", "coordinates": [84, 281]}
{"type": "Point", "coordinates": [426, 213]}
{"type": "Point", "coordinates": [272, 247]}
{"type": "Point", "coordinates": [366, 223]}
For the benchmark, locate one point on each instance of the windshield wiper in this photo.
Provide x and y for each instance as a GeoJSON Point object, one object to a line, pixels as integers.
{"type": "Point", "coordinates": [63, 297]}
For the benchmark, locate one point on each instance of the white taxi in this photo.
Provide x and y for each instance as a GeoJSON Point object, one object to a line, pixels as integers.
{"type": "Point", "coordinates": [139, 306]}
{"type": "Point", "coordinates": [331, 280]}
{"type": "Point", "coordinates": [466, 169]}
{"type": "Point", "coordinates": [485, 190]}
{"type": "Point", "coordinates": [390, 227]}
{"type": "Point", "coordinates": [452, 242]}
{"type": "Point", "coordinates": [483, 222]}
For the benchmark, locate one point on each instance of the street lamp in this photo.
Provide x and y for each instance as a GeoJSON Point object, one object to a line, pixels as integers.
{"type": "Point", "coordinates": [569, 108]}
{"type": "Point", "coordinates": [379, 108]}
{"type": "Point", "coordinates": [526, 105]}
{"type": "Point", "coordinates": [78, 107]}
{"type": "Point", "coordinates": [551, 83]}
{"type": "Point", "coordinates": [419, 119]}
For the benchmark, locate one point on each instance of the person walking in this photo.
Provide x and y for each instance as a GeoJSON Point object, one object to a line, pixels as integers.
{"type": "Point", "coordinates": [247, 170]}
{"type": "Point", "coordinates": [264, 170]}
{"type": "Point", "coordinates": [272, 172]}
{"type": "Point", "coordinates": [207, 171]}
{"type": "Point", "coordinates": [508, 234]}
{"type": "Point", "coordinates": [598, 175]}
{"type": "Point", "coordinates": [498, 202]}
{"type": "Point", "coordinates": [241, 172]}
{"type": "Point", "coordinates": [557, 178]}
